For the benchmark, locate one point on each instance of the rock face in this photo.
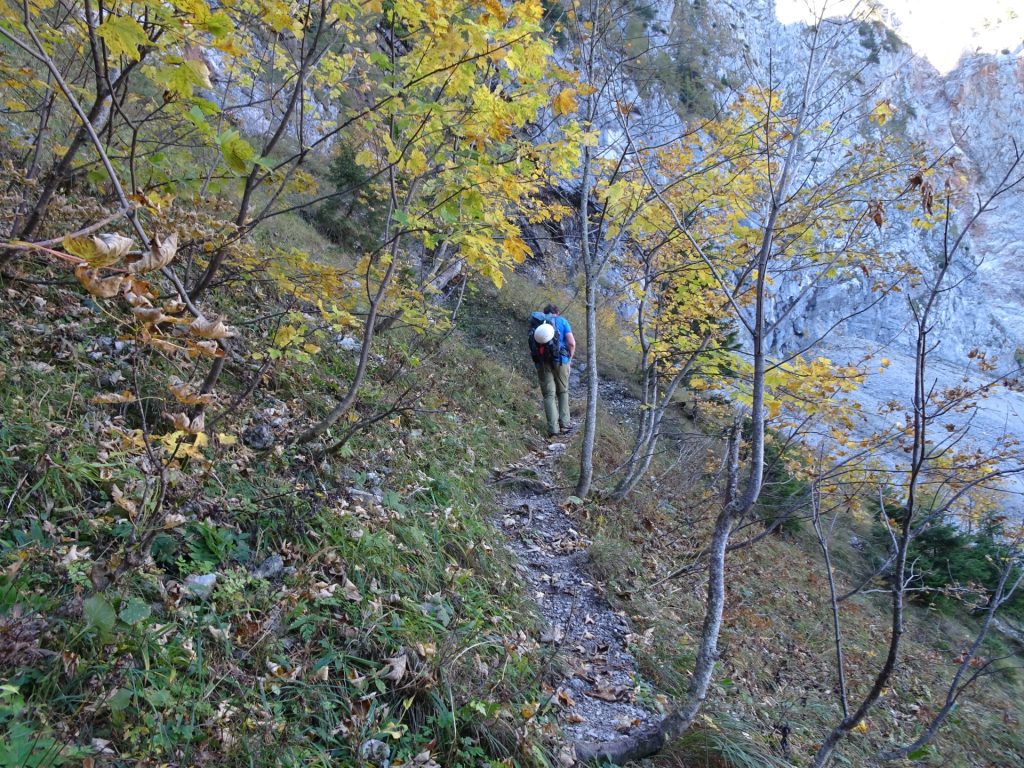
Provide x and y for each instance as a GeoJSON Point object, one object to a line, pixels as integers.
{"type": "Point", "coordinates": [972, 115]}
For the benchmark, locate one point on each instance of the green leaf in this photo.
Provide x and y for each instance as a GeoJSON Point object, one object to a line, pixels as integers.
{"type": "Point", "coordinates": [219, 25]}
{"type": "Point", "coordinates": [134, 611]}
{"type": "Point", "coordinates": [365, 158]}
{"type": "Point", "coordinates": [99, 614]}
{"type": "Point", "coordinates": [238, 153]}
{"type": "Point", "coordinates": [920, 753]}
{"type": "Point", "coordinates": [180, 77]}
{"type": "Point", "coordinates": [393, 501]}
{"type": "Point", "coordinates": [121, 700]}
{"type": "Point", "coordinates": [123, 36]}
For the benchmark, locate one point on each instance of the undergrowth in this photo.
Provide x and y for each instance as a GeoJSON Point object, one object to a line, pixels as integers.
{"type": "Point", "coordinates": [773, 694]}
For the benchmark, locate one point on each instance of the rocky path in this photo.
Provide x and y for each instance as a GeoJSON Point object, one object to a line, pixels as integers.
{"type": "Point", "coordinates": [600, 695]}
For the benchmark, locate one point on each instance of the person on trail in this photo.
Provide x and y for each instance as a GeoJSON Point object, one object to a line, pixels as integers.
{"type": "Point", "coordinates": [553, 374]}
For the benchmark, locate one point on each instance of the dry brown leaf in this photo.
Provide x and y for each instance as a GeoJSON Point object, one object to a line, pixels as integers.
{"type": "Point", "coordinates": [113, 398]}
{"type": "Point", "coordinates": [112, 245]}
{"type": "Point", "coordinates": [352, 591]}
{"type": "Point", "coordinates": [185, 424]}
{"type": "Point", "coordinates": [210, 329]}
{"type": "Point", "coordinates": [152, 315]}
{"type": "Point", "coordinates": [123, 501]}
{"type": "Point", "coordinates": [322, 674]}
{"type": "Point", "coordinates": [876, 212]}
{"type": "Point", "coordinates": [396, 668]}
{"type": "Point", "coordinates": [179, 420]}
{"type": "Point", "coordinates": [160, 254]}
{"type": "Point", "coordinates": [204, 348]}
{"type": "Point", "coordinates": [927, 197]}
{"type": "Point", "coordinates": [163, 345]}
{"type": "Point", "coordinates": [137, 300]}
{"type": "Point", "coordinates": [98, 286]}
{"type": "Point", "coordinates": [186, 395]}
{"type": "Point", "coordinates": [606, 693]}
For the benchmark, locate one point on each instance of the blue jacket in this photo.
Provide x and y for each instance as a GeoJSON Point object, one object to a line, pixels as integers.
{"type": "Point", "coordinates": [563, 329]}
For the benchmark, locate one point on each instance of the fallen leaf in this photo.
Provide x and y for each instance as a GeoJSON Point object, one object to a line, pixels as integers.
{"type": "Point", "coordinates": [396, 668]}
{"type": "Point", "coordinates": [113, 398]}
{"type": "Point", "coordinates": [565, 698]}
{"type": "Point", "coordinates": [352, 591]}
{"type": "Point", "coordinates": [322, 674]}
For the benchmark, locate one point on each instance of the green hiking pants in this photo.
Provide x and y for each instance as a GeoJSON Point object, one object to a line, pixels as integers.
{"type": "Point", "coordinates": [554, 382]}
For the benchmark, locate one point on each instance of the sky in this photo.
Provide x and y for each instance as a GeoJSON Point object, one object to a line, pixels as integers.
{"type": "Point", "coordinates": [939, 30]}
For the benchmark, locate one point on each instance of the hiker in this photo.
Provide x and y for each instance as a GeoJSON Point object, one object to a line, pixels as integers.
{"type": "Point", "coordinates": [552, 347]}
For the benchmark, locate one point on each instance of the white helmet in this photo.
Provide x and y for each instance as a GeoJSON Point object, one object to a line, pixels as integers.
{"type": "Point", "coordinates": [545, 332]}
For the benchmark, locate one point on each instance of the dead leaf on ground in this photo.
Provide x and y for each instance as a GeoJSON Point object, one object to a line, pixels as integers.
{"type": "Point", "coordinates": [609, 693]}
{"type": "Point", "coordinates": [552, 634]}
{"type": "Point", "coordinates": [352, 591]}
{"type": "Point", "coordinates": [113, 398]}
{"type": "Point", "coordinates": [396, 668]}
{"type": "Point", "coordinates": [626, 724]}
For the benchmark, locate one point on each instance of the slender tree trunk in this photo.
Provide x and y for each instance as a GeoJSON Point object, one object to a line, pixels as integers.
{"type": "Point", "coordinates": [589, 263]}
{"type": "Point", "coordinates": [590, 425]}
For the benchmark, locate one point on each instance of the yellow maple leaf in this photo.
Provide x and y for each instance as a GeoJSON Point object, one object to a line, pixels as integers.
{"type": "Point", "coordinates": [564, 102]}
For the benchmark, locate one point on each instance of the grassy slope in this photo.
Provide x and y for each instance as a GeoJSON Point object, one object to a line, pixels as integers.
{"type": "Point", "coordinates": [398, 620]}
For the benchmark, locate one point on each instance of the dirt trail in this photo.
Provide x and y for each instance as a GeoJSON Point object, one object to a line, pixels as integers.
{"type": "Point", "coordinates": [600, 692]}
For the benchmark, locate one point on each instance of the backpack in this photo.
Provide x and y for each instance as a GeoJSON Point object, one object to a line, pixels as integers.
{"type": "Point", "coordinates": [544, 353]}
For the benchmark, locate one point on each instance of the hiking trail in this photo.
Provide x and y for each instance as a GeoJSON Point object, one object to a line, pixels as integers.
{"type": "Point", "coordinates": [600, 695]}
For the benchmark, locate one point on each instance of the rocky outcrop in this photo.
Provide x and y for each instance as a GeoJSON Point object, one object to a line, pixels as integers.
{"type": "Point", "coordinates": [971, 115]}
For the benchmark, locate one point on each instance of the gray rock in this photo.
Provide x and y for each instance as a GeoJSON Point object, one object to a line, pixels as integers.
{"type": "Point", "coordinates": [361, 495]}
{"type": "Point", "coordinates": [201, 587]}
{"type": "Point", "coordinates": [375, 752]}
{"type": "Point", "coordinates": [259, 437]}
{"type": "Point", "coordinates": [349, 344]}
{"type": "Point", "coordinates": [269, 568]}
